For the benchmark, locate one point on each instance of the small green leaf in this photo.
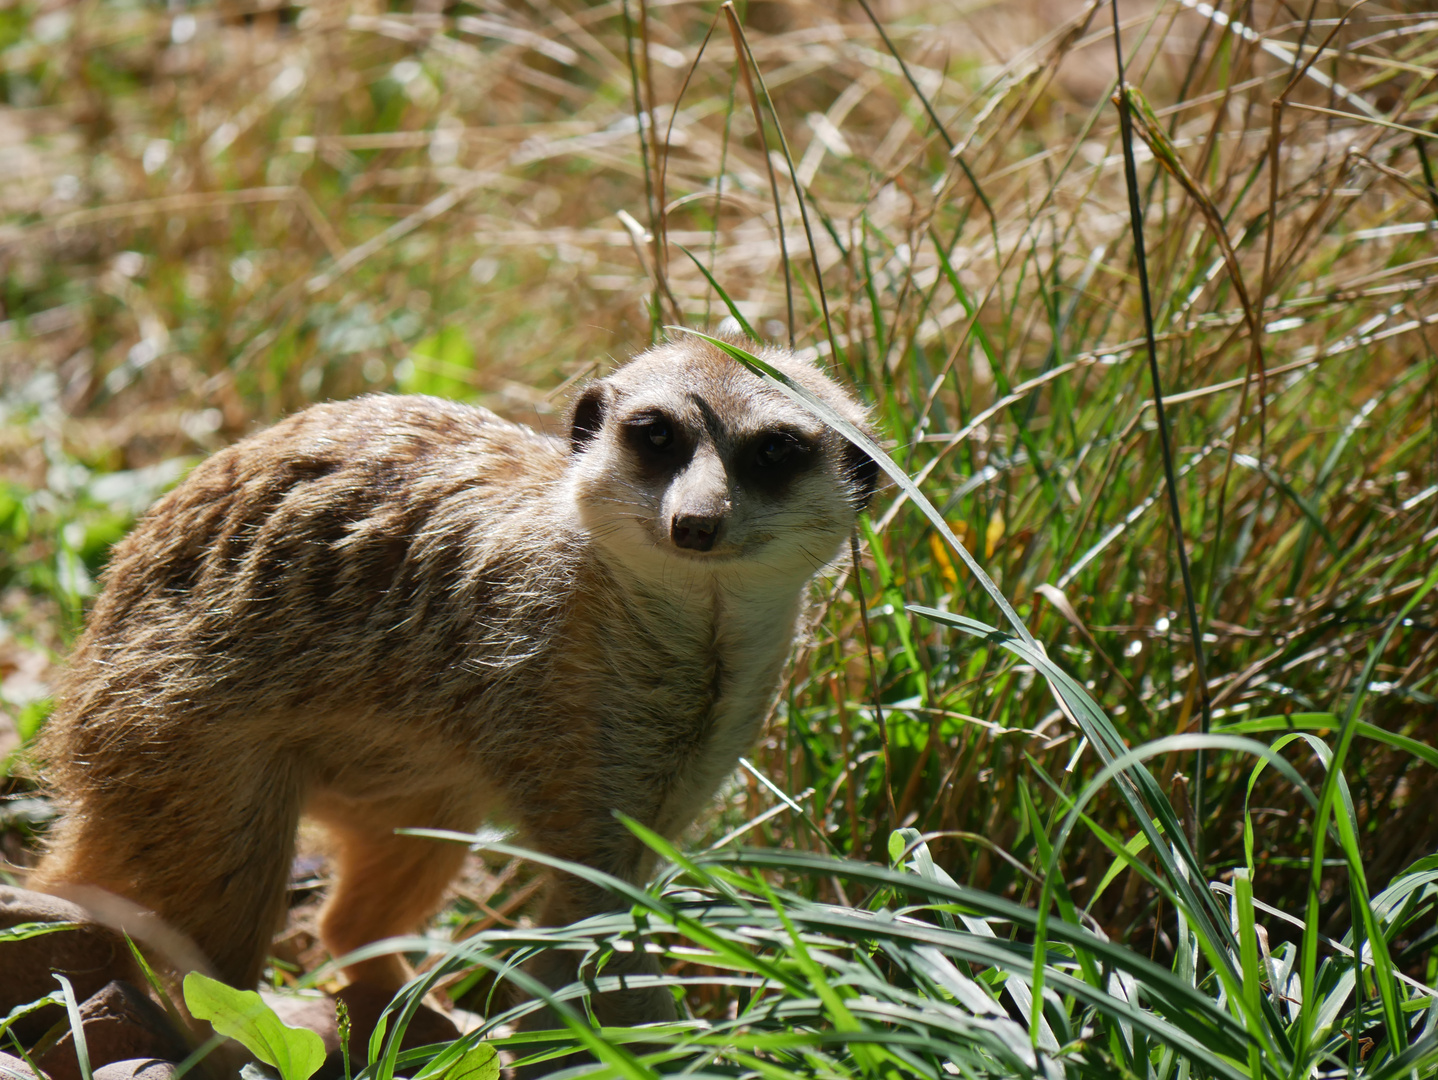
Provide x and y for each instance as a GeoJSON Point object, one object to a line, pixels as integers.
{"type": "Point", "coordinates": [441, 364]}
{"type": "Point", "coordinates": [242, 1015]}
{"type": "Point", "coordinates": [481, 1062]}
{"type": "Point", "coordinates": [899, 841]}
{"type": "Point", "coordinates": [32, 715]}
{"type": "Point", "coordinates": [463, 1059]}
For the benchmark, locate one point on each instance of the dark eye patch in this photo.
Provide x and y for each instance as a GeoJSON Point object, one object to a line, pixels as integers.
{"type": "Point", "coordinates": [778, 449]}
{"type": "Point", "coordinates": [658, 434]}
{"type": "Point", "coordinates": [772, 458]}
{"type": "Point", "coordinates": [656, 438]}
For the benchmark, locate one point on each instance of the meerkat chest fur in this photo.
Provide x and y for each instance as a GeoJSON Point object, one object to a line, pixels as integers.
{"type": "Point", "coordinates": [681, 682]}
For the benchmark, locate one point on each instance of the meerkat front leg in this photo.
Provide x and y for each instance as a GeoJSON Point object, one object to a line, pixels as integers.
{"type": "Point", "coordinates": [600, 841]}
{"type": "Point", "coordinates": [385, 884]}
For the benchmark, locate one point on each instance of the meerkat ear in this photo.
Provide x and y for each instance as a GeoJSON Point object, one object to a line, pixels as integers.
{"type": "Point", "coordinates": [863, 473]}
{"type": "Point", "coordinates": [587, 417]}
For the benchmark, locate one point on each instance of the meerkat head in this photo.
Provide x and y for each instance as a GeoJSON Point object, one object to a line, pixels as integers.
{"type": "Point", "coordinates": [684, 455]}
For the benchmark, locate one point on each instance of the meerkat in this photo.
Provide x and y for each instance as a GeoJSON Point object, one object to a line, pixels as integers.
{"type": "Point", "coordinates": [403, 611]}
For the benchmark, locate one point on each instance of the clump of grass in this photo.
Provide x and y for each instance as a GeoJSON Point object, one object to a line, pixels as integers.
{"type": "Point", "coordinates": [923, 976]}
{"type": "Point", "coordinates": [223, 214]}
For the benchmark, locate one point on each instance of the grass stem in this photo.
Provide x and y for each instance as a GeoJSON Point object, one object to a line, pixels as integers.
{"type": "Point", "coordinates": [1195, 631]}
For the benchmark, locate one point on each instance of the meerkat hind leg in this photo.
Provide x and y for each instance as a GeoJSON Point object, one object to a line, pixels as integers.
{"type": "Point", "coordinates": [209, 854]}
{"type": "Point", "coordinates": [385, 884]}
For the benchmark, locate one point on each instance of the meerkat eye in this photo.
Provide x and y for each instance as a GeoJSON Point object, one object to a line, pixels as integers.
{"type": "Point", "coordinates": [656, 438]}
{"type": "Point", "coordinates": [776, 448]}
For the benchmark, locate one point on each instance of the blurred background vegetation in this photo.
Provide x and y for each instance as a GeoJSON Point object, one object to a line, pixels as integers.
{"type": "Point", "coordinates": [218, 212]}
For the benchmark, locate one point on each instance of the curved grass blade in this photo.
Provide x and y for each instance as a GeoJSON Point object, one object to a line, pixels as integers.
{"type": "Point", "coordinates": [733, 307]}
{"type": "Point", "coordinates": [1140, 790]}
{"type": "Point", "coordinates": [634, 894]}
{"type": "Point", "coordinates": [1327, 795]}
{"type": "Point", "coordinates": [1181, 1004]}
{"type": "Point", "coordinates": [1323, 753]}
{"type": "Point", "coordinates": [1183, 1016]}
{"type": "Point", "coordinates": [1220, 952]}
{"type": "Point", "coordinates": [1321, 721]}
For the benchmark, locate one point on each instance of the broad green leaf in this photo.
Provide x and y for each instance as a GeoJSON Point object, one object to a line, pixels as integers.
{"type": "Point", "coordinates": [243, 1016]}
{"type": "Point", "coordinates": [480, 1063]}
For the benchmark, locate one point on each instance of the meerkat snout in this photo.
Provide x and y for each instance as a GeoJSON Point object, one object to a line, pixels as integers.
{"type": "Point", "coordinates": [701, 497]}
{"type": "Point", "coordinates": [694, 531]}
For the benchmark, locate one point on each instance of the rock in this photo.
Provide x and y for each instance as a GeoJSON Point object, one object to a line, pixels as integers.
{"type": "Point", "coordinates": [12, 1068]}
{"type": "Point", "coordinates": [90, 956]}
{"type": "Point", "coordinates": [121, 1024]}
{"type": "Point", "coordinates": [137, 1069]}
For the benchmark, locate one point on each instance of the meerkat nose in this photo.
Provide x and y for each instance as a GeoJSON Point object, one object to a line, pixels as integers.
{"type": "Point", "coordinates": [694, 531]}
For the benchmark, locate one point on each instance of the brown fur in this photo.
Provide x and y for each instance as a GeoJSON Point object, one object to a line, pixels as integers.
{"type": "Point", "coordinates": [407, 612]}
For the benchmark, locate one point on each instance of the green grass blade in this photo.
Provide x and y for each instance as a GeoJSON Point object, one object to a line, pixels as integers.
{"type": "Point", "coordinates": [1138, 787]}
{"type": "Point", "coordinates": [1424, 752]}
{"type": "Point", "coordinates": [77, 1026]}
{"type": "Point", "coordinates": [734, 311]}
{"type": "Point", "coordinates": [1327, 797]}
